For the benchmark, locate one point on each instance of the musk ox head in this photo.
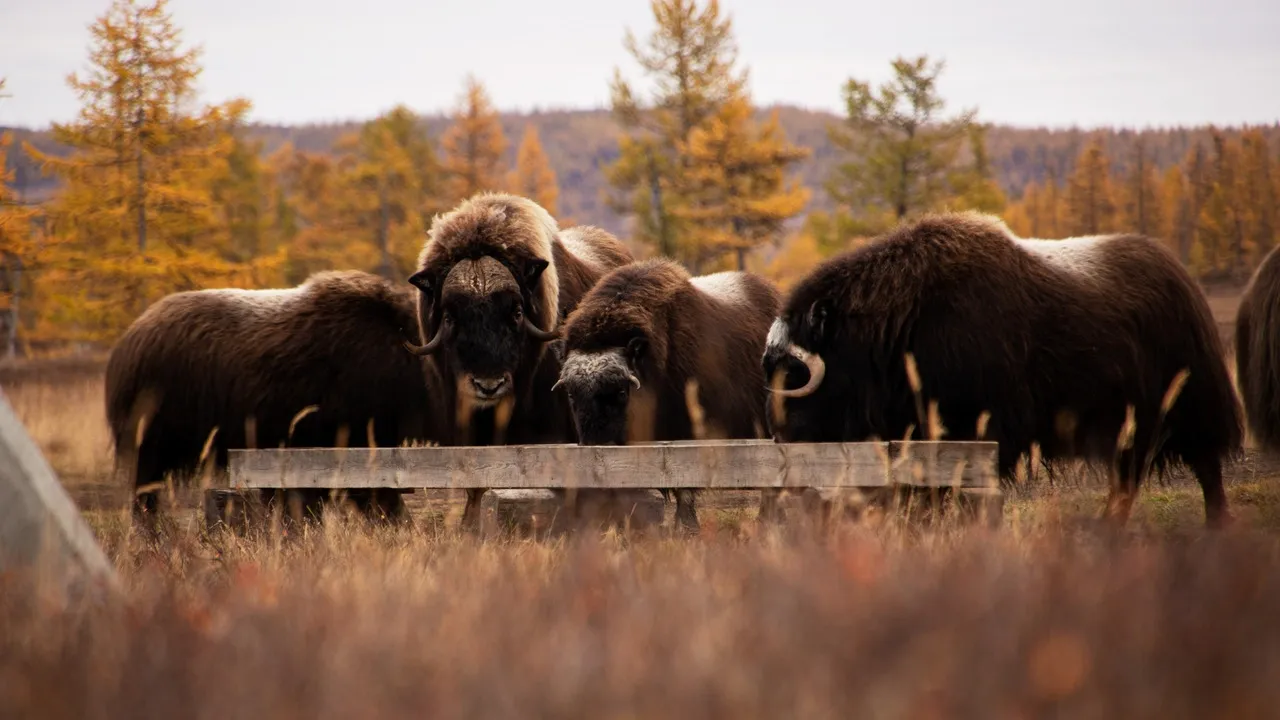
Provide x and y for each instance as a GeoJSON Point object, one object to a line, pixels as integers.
{"type": "Point", "coordinates": [795, 367]}
{"type": "Point", "coordinates": [488, 292]}
{"type": "Point", "coordinates": [599, 385]}
{"type": "Point", "coordinates": [616, 345]}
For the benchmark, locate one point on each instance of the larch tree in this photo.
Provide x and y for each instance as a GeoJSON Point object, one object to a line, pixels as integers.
{"type": "Point", "coordinates": [689, 61]}
{"type": "Point", "coordinates": [1090, 206]}
{"type": "Point", "coordinates": [1221, 227]}
{"type": "Point", "coordinates": [533, 177]}
{"type": "Point", "coordinates": [1258, 190]}
{"type": "Point", "coordinates": [904, 155]}
{"type": "Point", "coordinates": [135, 211]}
{"type": "Point", "coordinates": [1140, 205]}
{"type": "Point", "coordinates": [737, 191]}
{"type": "Point", "coordinates": [474, 145]}
{"type": "Point", "coordinates": [394, 180]}
{"type": "Point", "coordinates": [18, 249]}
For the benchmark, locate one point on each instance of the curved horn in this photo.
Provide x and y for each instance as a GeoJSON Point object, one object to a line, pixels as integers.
{"type": "Point", "coordinates": [817, 369]}
{"type": "Point", "coordinates": [559, 381]}
{"type": "Point", "coordinates": [538, 333]}
{"type": "Point", "coordinates": [634, 380]}
{"type": "Point", "coordinates": [432, 346]}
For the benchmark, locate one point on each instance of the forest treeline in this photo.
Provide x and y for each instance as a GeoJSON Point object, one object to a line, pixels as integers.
{"type": "Point", "coordinates": [147, 192]}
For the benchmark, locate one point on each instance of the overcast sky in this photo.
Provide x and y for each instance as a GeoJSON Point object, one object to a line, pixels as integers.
{"type": "Point", "coordinates": [1084, 62]}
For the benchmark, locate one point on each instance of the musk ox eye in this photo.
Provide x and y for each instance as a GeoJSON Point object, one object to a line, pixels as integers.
{"type": "Point", "coordinates": [517, 314]}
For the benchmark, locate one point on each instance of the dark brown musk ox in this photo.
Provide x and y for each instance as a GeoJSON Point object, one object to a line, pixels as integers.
{"type": "Point", "coordinates": [1045, 342]}
{"type": "Point", "coordinates": [1257, 347]}
{"type": "Point", "coordinates": [648, 330]}
{"type": "Point", "coordinates": [496, 278]}
{"type": "Point", "coordinates": [317, 365]}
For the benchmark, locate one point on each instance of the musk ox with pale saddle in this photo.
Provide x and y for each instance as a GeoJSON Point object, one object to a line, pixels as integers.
{"type": "Point", "coordinates": [317, 365]}
{"type": "Point", "coordinates": [1257, 346]}
{"type": "Point", "coordinates": [648, 336]}
{"type": "Point", "coordinates": [495, 279]}
{"type": "Point", "coordinates": [1101, 348]}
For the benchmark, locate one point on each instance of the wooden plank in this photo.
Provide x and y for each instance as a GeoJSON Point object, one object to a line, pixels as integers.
{"type": "Point", "coordinates": [40, 526]}
{"type": "Point", "coordinates": [741, 464]}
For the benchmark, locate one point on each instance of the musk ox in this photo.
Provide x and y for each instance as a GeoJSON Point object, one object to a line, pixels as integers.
{"type": "Point", "coordinates": [495, 279]}
{"type": "Point", "coordinates": [1063, 344]}
{"type": "Point", "coordinates": [320, 364]}
{"type": "Point", "coordinates": [1257, 346]}
{"type": "Point", "coordinates": [643, 334]}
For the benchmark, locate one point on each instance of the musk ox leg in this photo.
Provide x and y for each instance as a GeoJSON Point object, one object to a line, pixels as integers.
{"type": "Point", "coordinates": [382, 505]}
{"type": "Point", "coordinates": [1209, 473]}
{"type": "Point", "coordinates": [471, 513]}
{"type": "Point", "coordinates": [687, 511]}
{"type": "Point", "coordinates": [148, 476]}
{"type": "Point", "coordinates": [1124, 489]}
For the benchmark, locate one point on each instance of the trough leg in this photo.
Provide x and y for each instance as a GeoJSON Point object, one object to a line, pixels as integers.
{"type": "Point", "coordinates": [1209, 473]}
{"type": "Point", "coordinates": [770, 506]}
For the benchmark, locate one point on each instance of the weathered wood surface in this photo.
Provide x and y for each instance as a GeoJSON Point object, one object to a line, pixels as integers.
{"type": "Point", "coordinates": [735, 464]}
{"type": "Point", "coordinates": [40, 527]}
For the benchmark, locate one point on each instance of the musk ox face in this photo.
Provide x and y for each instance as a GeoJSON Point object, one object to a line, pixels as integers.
{"type": "Point", "coordinates": [795, 369]}
{"type": "Point", "coordinates": [480, 320]}
{"type": "Point", "coordinates": [599, 385]}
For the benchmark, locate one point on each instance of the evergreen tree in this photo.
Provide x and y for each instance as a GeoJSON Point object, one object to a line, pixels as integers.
{"type": "Point", "coordinates": [135, 212]}
{"type": "Point", "coordinates": [533, 177]}
{"type": "Point", "coordinates": [1141, 197]}
{"type": "Point", "coordinates": [1090, 206]}
{"type": "Point", "coordinates": [689, 60]}
{"type": "Point", "coordinates": [904, 156]}
{"type": "Point", "coordinates": [738, 195]}
{"type": "Point", "coordinates": [473, 146]}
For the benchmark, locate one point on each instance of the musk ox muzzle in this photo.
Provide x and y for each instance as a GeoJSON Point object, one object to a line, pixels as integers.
{"type": "Point", "coordinates": [779, 346]}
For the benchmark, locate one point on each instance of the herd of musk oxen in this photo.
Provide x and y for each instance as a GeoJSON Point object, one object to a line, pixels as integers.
{"type": "Point", "coordinates": [514, 331]}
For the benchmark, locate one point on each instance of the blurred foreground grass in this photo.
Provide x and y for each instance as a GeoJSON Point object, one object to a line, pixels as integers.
{"type": "Point", "coordinates": [1048, 616]}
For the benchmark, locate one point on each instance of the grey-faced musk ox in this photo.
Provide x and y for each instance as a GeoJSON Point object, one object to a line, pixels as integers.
{"type": "Point", "coordinates": [1257, 346]}
{"type": "Point", "coordinates": [648, 330]}
{"type": "Point", "coordinates": [495, 279]}
{"type": "Point", "coordinates": [317, 365]}
{"type": "Point", "coordinates": [1101, 348]}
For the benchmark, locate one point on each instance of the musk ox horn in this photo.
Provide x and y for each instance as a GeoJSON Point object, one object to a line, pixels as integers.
{"type": "Point", "coordinates": [817, 369]}
{"type": "Point", "coordinates": [539, 334]}
{"type": "Point", "coordinates": [433, 345]}
{"type": "Point", "coordinates": [634, 380]}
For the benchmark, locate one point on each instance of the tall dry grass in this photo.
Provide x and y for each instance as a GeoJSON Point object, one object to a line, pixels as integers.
{"type": "Point", "coordinates": [1048, 616]}
{"type": "Point", "coordinates": [869, 622]}
{"type": "Point", "coordinates": [62, 406]}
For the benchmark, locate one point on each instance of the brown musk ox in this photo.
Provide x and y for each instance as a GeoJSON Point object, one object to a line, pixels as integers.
{"type": "Point", "coordinates": [495, 279]}
{"type": "Point", "coordinates": [317, 365]}
{"type": "Point", "coordinates": [643, 334]}
{"type": "Point", "coordinates": [1257, 348]}
{"type": "Point", "coordinates": [1060, 344]}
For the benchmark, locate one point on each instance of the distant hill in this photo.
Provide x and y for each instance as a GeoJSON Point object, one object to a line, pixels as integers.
{"type": "Point", "coordinates": [580, 143]}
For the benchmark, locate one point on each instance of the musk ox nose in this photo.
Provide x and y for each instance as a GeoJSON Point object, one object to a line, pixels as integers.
{"type": "Point", "coordinates": [488, 387]}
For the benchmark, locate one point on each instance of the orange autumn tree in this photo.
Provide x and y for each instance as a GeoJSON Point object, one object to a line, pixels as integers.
{"type": "Point", "coordinates": [135, 216]}
{"type": "Point", "coordinates": [737, 191]}
{"type": "Point", "coordinates": [473, 146]}
{"type": "Point", "coordinates": [533, 177]}
{"type": "Point", "coordinates": [18, 250]}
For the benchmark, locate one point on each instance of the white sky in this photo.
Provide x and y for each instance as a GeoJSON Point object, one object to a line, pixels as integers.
{"type": "Point", "coordinates": [1025, 62]}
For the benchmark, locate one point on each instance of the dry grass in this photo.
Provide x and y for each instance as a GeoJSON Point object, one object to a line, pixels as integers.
{"type": "Point", "coordinates": [1047, 616]}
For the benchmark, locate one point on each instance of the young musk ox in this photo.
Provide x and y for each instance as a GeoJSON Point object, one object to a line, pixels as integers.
{"type": "Point", "coordinates": [495, 279]}
{"type": "Point", "coordinates": [1257, 346]}
{"type": "Point", "coordinates": [1050, 342]}
{"type": "Point", "coordinates": [247, 363]}
{"type": "Point", "coordinates": [647, 330]}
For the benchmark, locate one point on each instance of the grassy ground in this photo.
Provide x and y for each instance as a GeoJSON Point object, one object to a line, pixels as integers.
{"type": "Point", "coordinates": [1048, 616]}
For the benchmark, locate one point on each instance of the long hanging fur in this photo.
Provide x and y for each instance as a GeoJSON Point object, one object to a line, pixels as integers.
{"type": "Point", "coordinates": [1257, 346]}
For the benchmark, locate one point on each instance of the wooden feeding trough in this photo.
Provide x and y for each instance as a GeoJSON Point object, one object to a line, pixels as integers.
{"type": "Point", "coordinates": [522, 477]}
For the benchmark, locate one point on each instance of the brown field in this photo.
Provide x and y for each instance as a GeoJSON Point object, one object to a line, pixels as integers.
{"type": "Point", "coordinates": [1048, 616]}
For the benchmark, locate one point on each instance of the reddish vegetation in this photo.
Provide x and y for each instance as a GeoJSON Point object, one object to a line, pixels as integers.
{"type": "Point", "coordinates": [869, 624]}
